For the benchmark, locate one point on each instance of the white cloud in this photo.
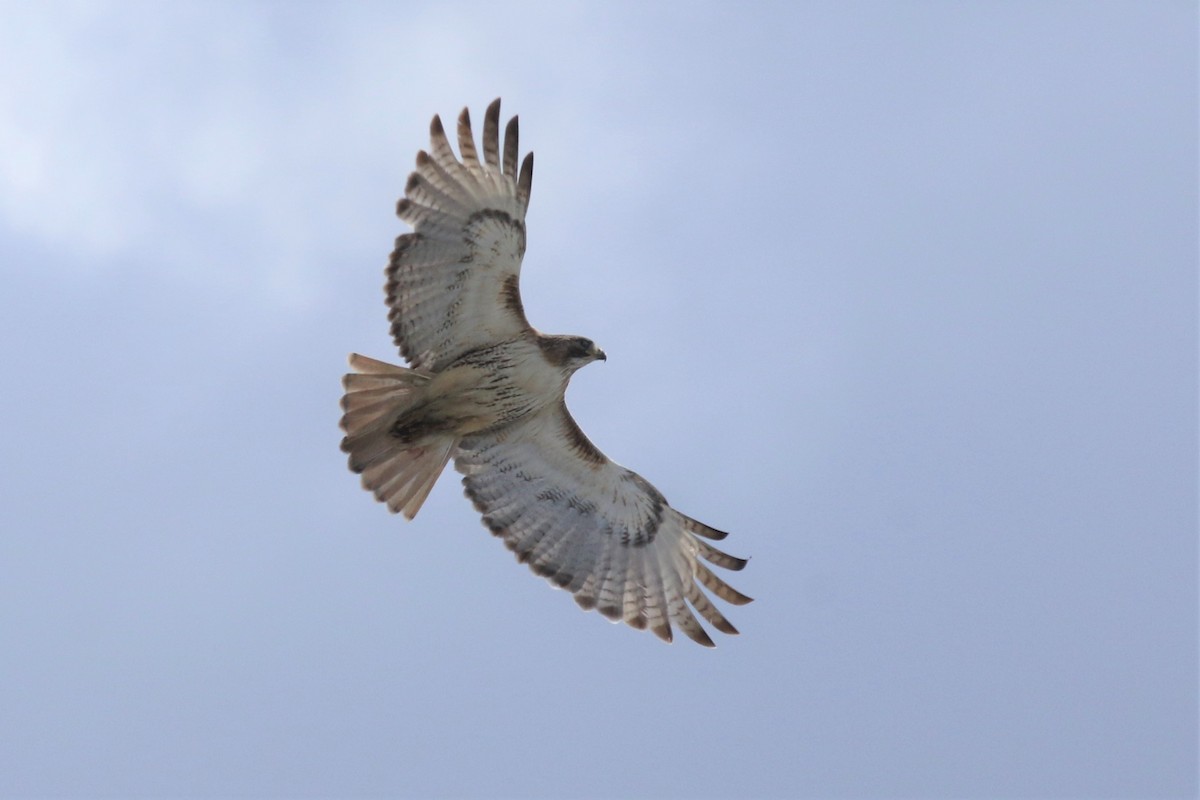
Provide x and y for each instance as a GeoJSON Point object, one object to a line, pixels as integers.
{"type": "Point", "coordinates": [138, 133]}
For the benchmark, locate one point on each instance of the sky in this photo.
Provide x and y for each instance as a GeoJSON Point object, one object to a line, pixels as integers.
{"type": "Point", "coordinates": [903, 295]}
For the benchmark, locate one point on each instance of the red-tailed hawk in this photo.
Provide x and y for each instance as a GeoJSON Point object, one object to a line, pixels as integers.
{"type": "Point", "coordinates": [486, 389]}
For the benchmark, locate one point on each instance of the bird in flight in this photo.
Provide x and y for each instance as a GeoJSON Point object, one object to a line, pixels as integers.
{"type": "Point", "coordinates": [483, 387]}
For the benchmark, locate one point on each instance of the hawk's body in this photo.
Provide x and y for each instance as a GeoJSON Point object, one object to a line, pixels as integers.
{"type": "Point", "coordinates": [486, 389]}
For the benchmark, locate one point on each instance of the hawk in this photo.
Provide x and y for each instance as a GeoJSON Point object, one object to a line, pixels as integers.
{"type": "Point", "coordinates": [486, 389]}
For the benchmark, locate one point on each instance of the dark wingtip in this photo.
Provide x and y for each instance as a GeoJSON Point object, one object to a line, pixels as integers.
{"type": "Point", "coordinates": [734, 597]}
{"type": "Point", "coordinates": [699, 528]}
{"type": "Point", "coordinates": [610, 612]}
{"type": "Point", "coordinates": [725, 626]}
{"type": "Point", "coordinates": [525, 180]}
{"type": "Point", "coordinates": [511, 139]}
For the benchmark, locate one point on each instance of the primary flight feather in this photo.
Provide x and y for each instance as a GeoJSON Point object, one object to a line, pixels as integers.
{"type": "Point", "coordinates": [486, 389]}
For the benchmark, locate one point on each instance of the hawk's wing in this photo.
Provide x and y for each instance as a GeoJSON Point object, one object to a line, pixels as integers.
{"type": "Point", "coordinates": [595, 528]}
{"type": "Point", "coordinates": [452, 284]}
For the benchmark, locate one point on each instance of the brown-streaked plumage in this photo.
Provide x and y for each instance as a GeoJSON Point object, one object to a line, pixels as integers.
{"type": "Point", "coordinates": [486, 389]}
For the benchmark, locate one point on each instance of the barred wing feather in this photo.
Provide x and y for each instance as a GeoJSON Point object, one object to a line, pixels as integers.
{"type": "Point", "coordinates": [596, 529]}
{"type": "Point", "coordinates": [452, 284]}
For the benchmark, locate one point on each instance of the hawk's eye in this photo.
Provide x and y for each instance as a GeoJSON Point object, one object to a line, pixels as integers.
{"type": "Point", "coordinates": [581, 348]}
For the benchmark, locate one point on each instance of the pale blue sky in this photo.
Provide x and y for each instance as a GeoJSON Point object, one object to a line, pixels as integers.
{"type": "Point", "coordinates": [904, 295]}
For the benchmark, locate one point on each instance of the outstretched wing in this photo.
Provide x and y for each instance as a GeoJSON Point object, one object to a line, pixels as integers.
{"type": "Point", "coordinates": [594, 528]}
{"type": "Point", "coordinates": [452, 284]}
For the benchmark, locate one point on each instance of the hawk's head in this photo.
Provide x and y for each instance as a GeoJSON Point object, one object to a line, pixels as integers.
{"type": "Point", "coordinates": [570, 352]}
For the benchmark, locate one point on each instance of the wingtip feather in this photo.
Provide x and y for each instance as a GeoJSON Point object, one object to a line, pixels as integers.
{"type": "Point", "coordinates": [466, 140]}
{"type": "Point", "coordinates": [491, 135]}
{"type": "Point", "coordinates": [525, 181]}
{"type": "Point", "coordinates": [511, 147]}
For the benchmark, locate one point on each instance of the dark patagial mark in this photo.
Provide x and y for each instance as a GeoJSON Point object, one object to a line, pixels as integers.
{"type": "Point", "coordinates": [578, 442]}
{"type": "Point", "coordinates": [554, 349]}
{"type": "Point", "coordinates": [510, 298]}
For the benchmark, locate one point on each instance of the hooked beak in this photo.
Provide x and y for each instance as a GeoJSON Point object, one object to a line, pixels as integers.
{"type": "Point", "coordinates": [599, 355]}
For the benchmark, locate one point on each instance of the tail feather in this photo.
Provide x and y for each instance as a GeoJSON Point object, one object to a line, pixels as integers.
{"type": "Point", "coordinates": [407, 492]}
{"type": "Point", "coordinates": [362, 412]}
{"type": "Point", "coordinates": [400, 474]}
{"type": "Point", "coordinates": [371, 366]}
{"type": "Point", "coordinates": [370, 447]}
{"type": "Point", "coordinates": [420, 468]}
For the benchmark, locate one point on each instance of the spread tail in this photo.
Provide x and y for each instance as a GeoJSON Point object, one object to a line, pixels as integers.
{"type": "Point", "coordinates": [399, 472]}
